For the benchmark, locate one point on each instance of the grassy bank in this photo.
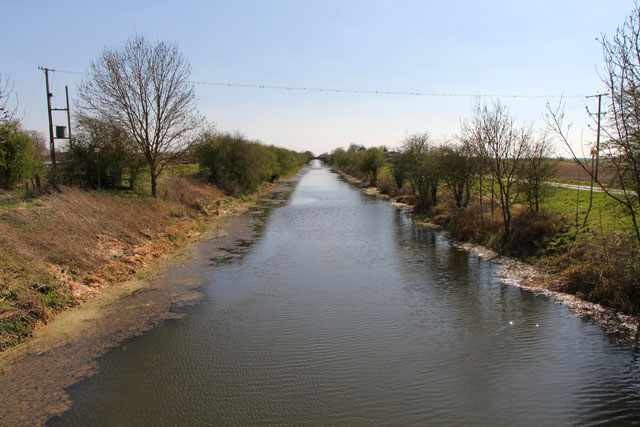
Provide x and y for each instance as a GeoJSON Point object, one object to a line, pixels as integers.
{"type": "Point", "coordinates": [61, 248]}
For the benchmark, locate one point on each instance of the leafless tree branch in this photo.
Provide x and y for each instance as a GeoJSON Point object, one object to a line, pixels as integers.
{"type": "Point", "coordinates": [145, 88]}
{"type": "Point", "coordinates": [494, 140]}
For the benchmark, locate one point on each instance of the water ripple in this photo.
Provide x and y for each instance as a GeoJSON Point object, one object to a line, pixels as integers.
{"type": "Point", "coordinates": [345, 314]}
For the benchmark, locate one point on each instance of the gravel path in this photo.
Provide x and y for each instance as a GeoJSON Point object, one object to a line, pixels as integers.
{"type": "Point", "coordinates": [596, 189]}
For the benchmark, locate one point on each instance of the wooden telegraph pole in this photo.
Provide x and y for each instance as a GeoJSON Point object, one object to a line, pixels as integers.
{"type": "Point", "coordinates": [52, 146]}
{"type": "Point", "coordinates": [66, 92]}
{"type": "Point", "coordinates": [60, 132]}
{"type": "Point", "coordinates": [595, 159]}
{"type": "Point", "coordinates": [595, 173]}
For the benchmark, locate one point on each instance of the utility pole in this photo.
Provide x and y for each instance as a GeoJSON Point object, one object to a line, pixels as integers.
{"type": "Point", "coordinates": [66, 92]}
{"type": "Point", "coordinates": [594, 168]}
{"type": "Point", "coordinates": [52, 146]}
{"type": "Point", "coordinates": [598, 138]}
{"type": "Point", "coordinates": [60, 130]}
{"type": "Point", "coordinates": [60, 134]}
{"type": "Point", "coordinates": [595, 157]}
{"type": "Point", "coordinates": [97, 151]}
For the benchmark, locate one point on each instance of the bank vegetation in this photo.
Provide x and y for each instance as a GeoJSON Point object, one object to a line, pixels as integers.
{"type": "Point", "coordinates": [141, 175]}
{"type": "Point", "coordinates": [490, 187]}
{"type": "Point", "coordinates": [62, 244]}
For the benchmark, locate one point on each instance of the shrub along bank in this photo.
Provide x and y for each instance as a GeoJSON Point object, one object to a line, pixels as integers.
{"type": "Point", "coordinates": [61, 247]}
{"type": "Point", "coordinates": [597, 259]}
{"type": "Point", "coordinates": [240, 166]}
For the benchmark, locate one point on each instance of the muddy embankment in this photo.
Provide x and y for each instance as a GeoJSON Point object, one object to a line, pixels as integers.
{"type": "Point", "coordinates": [35, 374]}
{"type": "Point", "coordinates": [517, 273]}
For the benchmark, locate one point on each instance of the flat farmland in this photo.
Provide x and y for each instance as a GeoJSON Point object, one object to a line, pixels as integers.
{"type": "Point", "coordinates": [572, 171]}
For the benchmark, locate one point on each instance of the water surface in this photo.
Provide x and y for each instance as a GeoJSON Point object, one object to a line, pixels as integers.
{"type": "Point", "coordinates": [344, 313]}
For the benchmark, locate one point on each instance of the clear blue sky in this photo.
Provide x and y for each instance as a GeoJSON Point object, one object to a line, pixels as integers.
{"type": "Point", "coordinates": [459, 47]}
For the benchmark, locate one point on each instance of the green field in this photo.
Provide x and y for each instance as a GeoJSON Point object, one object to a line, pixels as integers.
{"type": "Point", "coordinates": [605, 215]}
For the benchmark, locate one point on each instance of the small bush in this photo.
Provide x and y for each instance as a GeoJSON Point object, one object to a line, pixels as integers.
{"type": "Point", "coordinates": [468, 225]}
{"type": "Point", "coordinates": [463, 225]}
{"type": "Point", "coordinates": [531, 233]}
{"type": "Point", "coordinates": [604, 269]}
{"type": "Point", "coordinates": [369, 163]}
{"type": "Point", "coordinates": [387, 184]}
{"type": "Point", "coordinates": [19, 157]}
{"type": "Point", "coordinates": [102, 156]}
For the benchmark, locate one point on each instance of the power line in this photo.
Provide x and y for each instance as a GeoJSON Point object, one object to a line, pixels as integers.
{"type": "Point", "coordinates": [34, 92]}
{"type": "Point", "coordinates": [365, 92]}
{"type": "Point", "coordinates": [382, 92]}
{"type": "Point", "coordinates": [69, 72]}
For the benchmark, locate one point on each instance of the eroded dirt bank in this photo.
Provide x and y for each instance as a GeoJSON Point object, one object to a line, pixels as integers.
{"type": "Point", "coordinates": [34, 375]}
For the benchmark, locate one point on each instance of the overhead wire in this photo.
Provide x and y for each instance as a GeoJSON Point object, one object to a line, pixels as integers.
{"type": "Point", "coordinates": [382, 92]}
{"type": "Point", "coordinates": [69, 72]}
{"type": "Point", "coordinates": [34, 92]}
{"type": "Point", "coordinates": [367, 92]}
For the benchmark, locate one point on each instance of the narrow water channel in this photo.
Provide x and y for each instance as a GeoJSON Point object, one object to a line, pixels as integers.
{"type": "Point", "coordinates": [344, 313]}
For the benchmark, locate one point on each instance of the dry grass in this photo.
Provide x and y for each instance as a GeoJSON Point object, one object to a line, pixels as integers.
{"type": "Point", "coordinates": [604, 269]}
{"type": "Point", "coordinates": [386, 184]}
{"type": "Point", "coordinates": [58, 249]}
{"type": "Point", "coordinates": [529, 233]}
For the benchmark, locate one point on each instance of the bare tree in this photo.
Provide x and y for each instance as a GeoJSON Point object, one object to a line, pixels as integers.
{"type": "Point", "coordinates": [620, 148]}
{"type": "Point", "coordinates": [493, 139]}
{"type": "Point", "coordinates": [7, 111]}
{"type": "Point", "coordinates": [612, 154]}
{"type": "Point", "coordinates": [370, 163]}
{"type": "Point", "coordinates": [459, 171]}
{"type": "Point", "coordinates": [622, 145]}
{"type": "Point", "coordinates": [537, 168]}
{"type": "Point", "coordinates": [423, 169]}
{"type": "Point", "coordinates": [40, 141]}
{"type": "Point", "coordinates": [145, 88]}
{"type": "Point", "coordinates": [354, 148]}
{"type": "Point", "coordinates": [399, 163]}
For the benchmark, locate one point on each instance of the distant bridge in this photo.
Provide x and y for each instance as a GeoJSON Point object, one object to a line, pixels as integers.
{"type": "Point", "coordinates": [321, 158]}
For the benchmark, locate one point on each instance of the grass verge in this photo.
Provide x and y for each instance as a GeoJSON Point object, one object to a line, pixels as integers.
{"type": "Point", "coordinates": [59, 249]}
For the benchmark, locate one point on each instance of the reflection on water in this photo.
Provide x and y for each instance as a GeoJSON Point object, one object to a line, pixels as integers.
{"type": "Point", "coordinates": [344, 313]}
